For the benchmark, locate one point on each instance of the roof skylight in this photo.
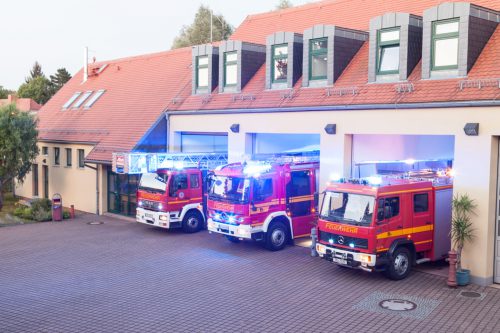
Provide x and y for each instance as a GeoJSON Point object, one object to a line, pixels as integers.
{"type": "Point", "coordinates": [71, 100]}
{"type": "Point", "coordinates": [94, 98]}
{"type": "Point", "coordinates": [82, 99]}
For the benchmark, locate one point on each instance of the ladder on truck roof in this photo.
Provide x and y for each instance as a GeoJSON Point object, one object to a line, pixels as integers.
{"type": "Point", "coordinates": [137, 163]}
{"type": "Point", "coordinates": [286, 158]}
{"type": "Point", "coordinates": [206, 161]}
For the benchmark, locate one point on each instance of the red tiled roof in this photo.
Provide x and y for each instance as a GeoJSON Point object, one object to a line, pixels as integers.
{"type": "Point", "coordinates": [139, 88]}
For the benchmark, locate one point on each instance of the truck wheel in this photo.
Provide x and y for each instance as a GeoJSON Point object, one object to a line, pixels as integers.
{"type": "Point", "coordinates": [233, 239]}
{"type": "Point", "coordinates": [276, 236]}
{"type": "Point", "coordinates": [192, 222]}
{"type": "Point", "coordinates": [400, 264]}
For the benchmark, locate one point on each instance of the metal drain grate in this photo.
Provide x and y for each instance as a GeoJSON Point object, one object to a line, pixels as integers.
{"type": "Point", "coordinates": [397, 305]}
{"type": "Point", "coordinates": [471, 295]}
{"type": "Point", "coordinates": [95, 223]}
{"type": "Point", "coordinates": [406, 306]}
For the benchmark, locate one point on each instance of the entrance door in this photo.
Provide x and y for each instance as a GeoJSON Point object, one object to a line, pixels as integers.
{"type": "Point", "coordinates": [45, 175]}
{"type": "Point", "coordinates": [122, 190]}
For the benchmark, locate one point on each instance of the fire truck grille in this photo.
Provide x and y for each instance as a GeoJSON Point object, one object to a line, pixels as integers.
{"type": "Point", "coordinates": [335, 239]}
{"type": "Point", "coordinates": [151, 205]}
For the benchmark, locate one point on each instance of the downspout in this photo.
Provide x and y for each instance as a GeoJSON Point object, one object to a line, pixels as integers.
{"type": "Point", "coordinates": [96, 168]}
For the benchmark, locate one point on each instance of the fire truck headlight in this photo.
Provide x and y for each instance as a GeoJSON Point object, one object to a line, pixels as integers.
{"type": "Point", "coordinates": [163, 217]}
{"type": "Point", "coordinates": [320, 248]}
{"type": "Point", "coordinates": [243, 232]}
{"type": "Point", "coordinates": [365, 258]}
{"type": "Point", "coordinates": [231, 219]}
{"type": "Point", "coordinates": [217, 217]}
{"type": "Point", "coordinates": [211, 224]}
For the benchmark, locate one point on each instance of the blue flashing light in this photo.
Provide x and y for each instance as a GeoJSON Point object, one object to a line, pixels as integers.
{"type": "Point", "coordinates": [351, 245]}
{"type": "Point", "coordinates": [330, 241]}
{"type": "Point", "coordinates": [217, 217]}
{"type": "Point", "coordinates": [231, 219]}
{"type": "Point", "coordinates": [374, 180]}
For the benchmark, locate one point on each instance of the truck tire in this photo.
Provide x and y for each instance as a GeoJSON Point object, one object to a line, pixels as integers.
{"type": "Point", "coordinates": [192, 222]}
{"type": "Point", "coordinates": [400, 264]}
{"type": "Point", "coordinates": [233, 239]}
{"type": "Point", "coordinates": [277, 236]}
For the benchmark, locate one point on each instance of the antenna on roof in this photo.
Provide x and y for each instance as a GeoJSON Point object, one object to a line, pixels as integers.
{"type": "Point", "coordinates": [85, 63]}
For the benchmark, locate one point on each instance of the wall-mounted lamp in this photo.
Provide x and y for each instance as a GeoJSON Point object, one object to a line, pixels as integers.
{"type": "Point", "coordinates": [235, 128]}
{"type": "Point", "coordinates": [331, 129]}
{"type": "Point", "coordinates": [471, 129]}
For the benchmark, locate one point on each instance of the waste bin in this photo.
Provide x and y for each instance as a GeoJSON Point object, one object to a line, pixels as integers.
{"type": "Point", "coordinates": [57, 208]}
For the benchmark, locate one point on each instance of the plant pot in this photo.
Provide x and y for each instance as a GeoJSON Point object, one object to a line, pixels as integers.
{"type": "Point", "coordinates": [463, 277]}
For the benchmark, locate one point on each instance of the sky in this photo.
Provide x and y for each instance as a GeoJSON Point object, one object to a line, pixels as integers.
{"type": "Point", "coordinates": [55, 32]}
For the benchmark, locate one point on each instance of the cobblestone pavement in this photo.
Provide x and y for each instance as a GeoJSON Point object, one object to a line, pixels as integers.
{"type": "Point", "coordinates": [125, 277]}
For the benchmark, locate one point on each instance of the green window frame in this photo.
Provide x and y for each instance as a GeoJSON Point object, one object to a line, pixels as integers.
{"type": "Point", "coordinates": [441, 37]}
{"type": "Point", "coordinates": [276, 59]}
{"type": "Point", "coordinates": [383, 46]}
{"type": "Point", "coordinates": [81, 158]}
{"type": "Point", "coordinates": [316, 53]}
{"type": "Point", "coordinates": [203, 65]}
{"type": "Point", "coordinates": [57, 156]}
{"type": "Point", "coordinates": [230, 63]}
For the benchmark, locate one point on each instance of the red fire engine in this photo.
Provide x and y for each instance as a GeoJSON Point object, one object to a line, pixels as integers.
{"type": "Point", "coordinates": [270, 200]}
{"type": "Point", "coordinates": [386, 224]}
{"type": "Point", "coordinates": [172, 193]}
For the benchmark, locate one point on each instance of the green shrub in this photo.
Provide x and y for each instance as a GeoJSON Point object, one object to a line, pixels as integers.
{"type": "Point", "coordinates": [44, 204]}
{"type": "Point", "coordinates": [27, 213]}
{"type": "Point", "coordinates": [41, 214]}
{"type": "Point", "coordinates": [18, 211]}
{"type": "Point", "coordinates": [66, 215]}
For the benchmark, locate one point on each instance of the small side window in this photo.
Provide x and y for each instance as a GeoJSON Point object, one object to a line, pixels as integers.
{"type": "Point", "coordinates": [420, 203]}
{"type": "Point", "coordinates": [262, 189]}
{"type": "Point", "coordinates": [194, 180]}
{"type": "Point", "coordinates": [179, 182]}
{"type": "Point", "coordinates": [388, 208]}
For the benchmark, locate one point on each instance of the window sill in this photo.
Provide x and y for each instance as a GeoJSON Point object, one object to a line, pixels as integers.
{"type": "Point", "coordinates": [68, 167]}
{"type": "Point", "coordinates": [81, 168]}
{"type": "Point", "coordinates": [317, 83]}
{"type": "Point", "coordinates": [56, 165]}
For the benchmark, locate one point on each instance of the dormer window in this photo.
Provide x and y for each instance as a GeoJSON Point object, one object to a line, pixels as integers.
{"type": "Point", "coordinates": [202, 72]}
{"type": "Point", "coordinates": [395, 47]}
{"type": "Point", "coordinates": [388, 51]}
{"type": "Point", "coordinates": [454, 35]}
{"type": "Point", "coordinates": [230, 68]}
{"type": "Point", "coordinates": [205, 75]}
{"type": "Point", "coordinates": [280, 63]}
{"type": "Point", "coordinates": [445, 44]}
{"type": "Point", "coordinates": [318, 58]}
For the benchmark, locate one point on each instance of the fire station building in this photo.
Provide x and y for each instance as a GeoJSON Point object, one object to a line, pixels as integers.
{"type": "Point", "coordinates": [365, 82]}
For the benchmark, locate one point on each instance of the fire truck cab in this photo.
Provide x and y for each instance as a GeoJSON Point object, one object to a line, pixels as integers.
{"type": "Point", "coordinates": [269, 200]}
{"type": "Point", "coordinates": [172, 194]}
{"type": "Point", "coordinates": [385, 224]}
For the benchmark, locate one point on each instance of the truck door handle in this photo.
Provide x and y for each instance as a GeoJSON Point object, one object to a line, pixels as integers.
{"type": "Point", "coordinates": [428, 222]}
{"type": "Point", "coordinates": [400, 227]}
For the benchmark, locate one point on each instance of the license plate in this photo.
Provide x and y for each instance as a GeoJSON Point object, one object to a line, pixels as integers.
{"type": "Point", "coordinates": [339, 261]}
{"type": "Point", "coordinates": [148, 215]}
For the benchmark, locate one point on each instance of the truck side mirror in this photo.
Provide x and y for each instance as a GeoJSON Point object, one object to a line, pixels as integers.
{"type": "Point", "coordinates": [316, 199]}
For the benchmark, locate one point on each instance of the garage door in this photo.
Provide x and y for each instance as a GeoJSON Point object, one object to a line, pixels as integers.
{"type": "Point", "coordinates": [269, 143]}
{"type": "Point", "coordinates": [371, 150]}
{"type": "Point", "coordinates": [203, 143]}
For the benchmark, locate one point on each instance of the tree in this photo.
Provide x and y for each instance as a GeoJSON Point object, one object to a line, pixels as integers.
{"type": "Point", "coordinates": [4, 93]}
{"type": "Point", "coordinates": [58, 80]}
{"type": "Point", "coordinates": [199, 31]}
{"type": "Point", "coordinates": [284, 4]}
{"type": "Point", "coordinates": [39, 89]}
{"type": "Point", "coordinates": [18, 147]}
{"type": "Point", "coordinates": [36, 71]}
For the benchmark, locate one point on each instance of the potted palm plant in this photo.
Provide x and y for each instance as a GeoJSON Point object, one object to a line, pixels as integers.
{"type": "Point", "coordinates": [462, 232]}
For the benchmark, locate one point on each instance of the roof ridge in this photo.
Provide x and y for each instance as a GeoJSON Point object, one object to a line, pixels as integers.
{"type": "Point", "coordinates": [143, 56]}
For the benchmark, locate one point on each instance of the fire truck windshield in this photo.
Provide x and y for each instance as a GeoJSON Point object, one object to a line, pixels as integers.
{"type": "Point", "coordinates": [155, 182]}
{"type": "Point", "coordinates": [348, 208]}
{"type": "Point", "coordinates": [231, 189]}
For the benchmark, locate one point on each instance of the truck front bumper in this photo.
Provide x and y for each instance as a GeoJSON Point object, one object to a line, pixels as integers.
{"type": "Point", "coordinates": [243, 231]}
{"type": "Point", "coordinates": [157, 219]}
{"type": "Point", "coordinates": [364, 261]}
